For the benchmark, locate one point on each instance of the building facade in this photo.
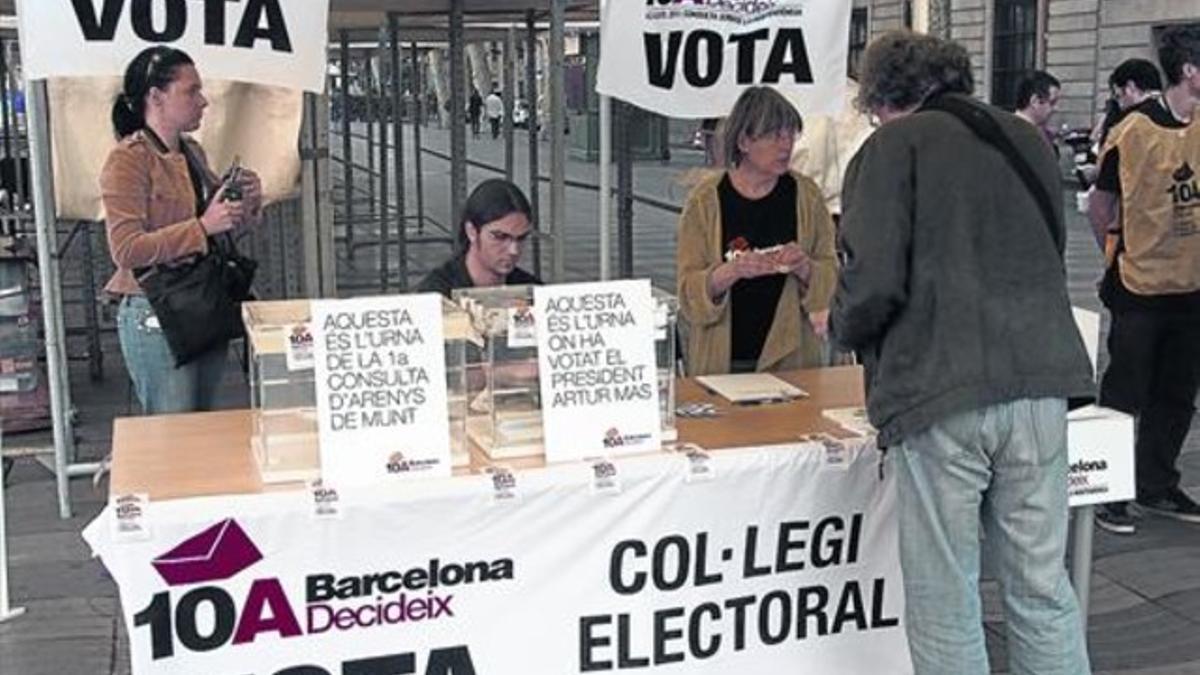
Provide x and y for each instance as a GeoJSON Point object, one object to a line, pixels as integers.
{"type": "Point", "coordinates": [1078, 41]}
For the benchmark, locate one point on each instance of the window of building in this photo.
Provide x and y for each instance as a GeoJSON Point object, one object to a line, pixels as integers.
{"type": "Point", "coordinates": [908, 14]}
{"type": "Point", "coordinates": [1014, 48]}
{"type": "Point", "coordinates": [858, 39]}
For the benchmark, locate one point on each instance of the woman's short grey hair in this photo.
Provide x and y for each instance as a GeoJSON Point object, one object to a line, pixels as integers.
{"type": "Point", "coordinates": [900, 69]}
{"type": "Point", "coordinates": [759, 111]}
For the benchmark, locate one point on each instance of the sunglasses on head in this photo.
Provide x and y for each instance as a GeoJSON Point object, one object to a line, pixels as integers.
{"type": "Point", "coordinates": [152, 63]}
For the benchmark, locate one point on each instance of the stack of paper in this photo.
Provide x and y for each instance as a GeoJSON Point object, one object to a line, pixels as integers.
{"type": "Point", "coordinates": [750, 388]}
{"type": "Point", "coordinates": [853, 420]}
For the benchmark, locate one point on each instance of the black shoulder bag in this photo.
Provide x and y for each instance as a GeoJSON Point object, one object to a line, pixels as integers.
{"type": "Point", "coordinates": [988, 129]}
{"type": "Point", "coordinates": [198, 300]}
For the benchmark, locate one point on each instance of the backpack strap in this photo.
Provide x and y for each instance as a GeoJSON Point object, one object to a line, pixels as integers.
{"type": "Point", "coordinates": [978, 120]}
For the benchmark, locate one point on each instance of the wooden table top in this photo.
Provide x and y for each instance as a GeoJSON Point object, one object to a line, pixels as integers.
{"type": "Point", "coordinates": [196, 454]}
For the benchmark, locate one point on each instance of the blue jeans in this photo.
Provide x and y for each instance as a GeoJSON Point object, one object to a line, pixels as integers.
{"type": "Point", "coordinates": [1002, 470]}
{"type": "Point", "coordinates": [161, 387]}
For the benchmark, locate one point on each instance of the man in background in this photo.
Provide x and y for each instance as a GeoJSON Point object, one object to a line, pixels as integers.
{"type": "Point", "coordinates": [1037, 102]}
{"type": "Point", "coordinates": [1145, 211]}
{"type": "Point", "coordinates": [1130, 84]}
{"type": "Point", "coordinates": [495, 111]}
{"type": "Point", "coordinates": [474, 111]}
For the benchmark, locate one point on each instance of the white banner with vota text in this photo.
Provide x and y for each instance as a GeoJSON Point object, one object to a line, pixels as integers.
{"type": "Point", "coordinates": [597, 372]}
{"type": "Point", "coordinates": [274, 42]}
{"type": "Point", "coordinates": [692, 58]}
{"type": "Point", "coordinates": [380, 369]}
{"type": "Point", "coordinates": [669, 574]}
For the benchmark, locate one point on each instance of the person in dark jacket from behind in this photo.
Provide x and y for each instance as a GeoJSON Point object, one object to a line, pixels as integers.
{"type": "Point", "coordinates": [954, 294]}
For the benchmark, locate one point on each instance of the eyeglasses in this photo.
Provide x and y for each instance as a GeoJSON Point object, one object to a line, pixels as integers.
{"type": "Point", "coordinates": [500, 237]}
{"type": "Point", "coordinates": [777, 136]}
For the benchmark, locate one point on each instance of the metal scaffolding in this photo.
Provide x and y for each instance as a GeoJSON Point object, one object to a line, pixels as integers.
{"type": "Point", "coordinates": [382, 222]}
{"type": "Point", "coordinates": [370, 53]}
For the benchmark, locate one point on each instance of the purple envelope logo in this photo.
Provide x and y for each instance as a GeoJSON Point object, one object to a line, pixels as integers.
{"type": "Point", "coordinates": [217, 553]}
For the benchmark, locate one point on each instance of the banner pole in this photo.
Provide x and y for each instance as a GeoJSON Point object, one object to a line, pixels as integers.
{"type": "Point", "coordinates": [605, 171]}
{"type": "Point", "coordinates": [6, 611]}
{"type": "Point", "coordinates": [45, 217]}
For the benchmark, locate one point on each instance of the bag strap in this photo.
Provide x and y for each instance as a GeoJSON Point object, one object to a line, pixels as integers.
{"type": "Point", "coordinates": [223, 242]}
{"type": "Point", "coordinates": [977, 119]}
{"type": "Point", "coordinates": [198, 169]}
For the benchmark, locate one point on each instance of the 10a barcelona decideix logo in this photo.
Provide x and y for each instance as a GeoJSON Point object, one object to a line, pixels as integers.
{"type": "Point", "coordinates": [216, 554]}
{"type": "Point", "coordinates": [331, 602]}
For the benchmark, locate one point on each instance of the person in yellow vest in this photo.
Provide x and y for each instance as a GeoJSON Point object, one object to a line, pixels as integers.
{"type": "Point", "coordinates": [1148, 195]}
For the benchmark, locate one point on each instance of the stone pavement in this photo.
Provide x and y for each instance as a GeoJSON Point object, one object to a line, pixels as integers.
{"type": "Point", "coordinates": [1145, 614]}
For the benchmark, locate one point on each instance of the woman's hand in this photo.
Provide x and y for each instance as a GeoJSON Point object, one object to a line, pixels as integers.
{"type": "Point", "coordinates": [752, 264]}
{"type": "Point", "coordinates": [820, 323]}
{"type": "Point", "coordinates": [252, 192]}
{"type": "Point", "coordinates": [747, 265]}
{"type": "Point", "coordinates": [221, 215]}
{"type": "Point", "coordinates": [795, 260]}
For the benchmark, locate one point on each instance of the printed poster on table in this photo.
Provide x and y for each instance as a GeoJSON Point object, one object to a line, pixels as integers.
{"type": "Point", "coordinates": [693, 58]}
{"type": "Point", "coordinates": [442, 579]}
{"type": "Point", "coordinates": [381, 388]}
{"type": "Point", "coordinates": [273, 42]}
{"type": "Point", "coordinates": [599, 381]}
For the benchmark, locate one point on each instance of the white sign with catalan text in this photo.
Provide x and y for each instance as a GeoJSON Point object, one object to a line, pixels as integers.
{"type": "Point", "coordinates": [1100, 453]}
{"type": "Point", "coordinates": [597, 372]}
{"type": "Point", "coordinates": [273, 42]}
{"type": "Point", "coordinates": [664, 576]}
{"type": "Point", "coordinates": [693, 58]}
{"type": "Point", "coordinates": [1099, 456]}
{"type": "Point", "coordinates": [380, 367]}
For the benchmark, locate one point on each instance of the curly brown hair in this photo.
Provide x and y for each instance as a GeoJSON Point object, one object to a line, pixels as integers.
{"type": "Point", "coordinates": [900, 69]}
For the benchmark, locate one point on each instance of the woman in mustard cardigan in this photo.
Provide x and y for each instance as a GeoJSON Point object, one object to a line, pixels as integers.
{"type": "Point", "coordinates": [755, 261]}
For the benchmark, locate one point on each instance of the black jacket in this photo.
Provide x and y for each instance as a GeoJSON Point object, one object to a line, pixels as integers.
{"type": "Point", "coordinates": [954, 291]}
{"type": "Point", "coordinates": [453, 274]}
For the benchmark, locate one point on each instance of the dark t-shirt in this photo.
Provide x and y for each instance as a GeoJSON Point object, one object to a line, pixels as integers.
{"type": "Point", "coordinates": [764, 222]}
{"type": "Point", "coordinates": [1112, 291]}
{"type": "Point", "coordinates": [453, 274]}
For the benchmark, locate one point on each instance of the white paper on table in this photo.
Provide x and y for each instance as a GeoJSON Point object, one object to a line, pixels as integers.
{"type": "Point", "coordinates": [751, 387]}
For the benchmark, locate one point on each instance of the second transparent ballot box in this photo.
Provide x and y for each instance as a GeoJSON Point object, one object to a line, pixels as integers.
{"type": "Point", "coordinates": [283, 391]}
{"type": "Point", "coordinates": [504, 409]}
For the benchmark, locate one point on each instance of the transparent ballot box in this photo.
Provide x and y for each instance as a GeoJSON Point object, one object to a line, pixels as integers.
{"type": "Point", "coordinates": [504, 411]}
{"type": "Point", "coordinates": [283, 392]}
